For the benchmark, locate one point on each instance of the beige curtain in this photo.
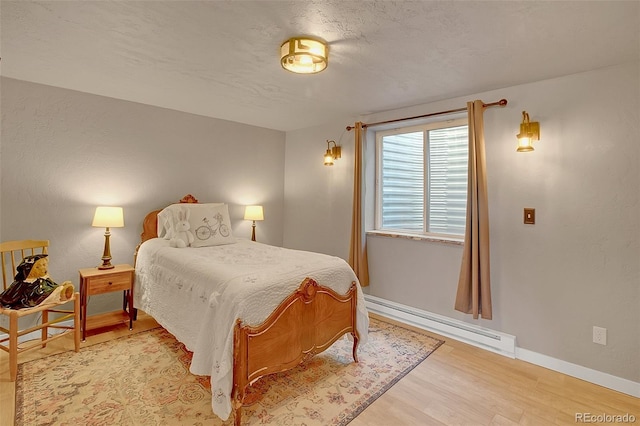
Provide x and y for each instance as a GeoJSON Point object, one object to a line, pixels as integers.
{"type": "Point", "coordinates": [474, 284]}
{"type": "Point", "coordinates": [358, 248]}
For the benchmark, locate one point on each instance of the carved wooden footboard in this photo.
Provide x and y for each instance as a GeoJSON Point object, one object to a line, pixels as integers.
{"type": "Point", "coordinates": [306, 323]}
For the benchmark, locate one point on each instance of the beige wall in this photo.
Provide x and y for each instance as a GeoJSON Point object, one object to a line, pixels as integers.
{"type": "Point", "coordinates": [577, 267]}
{"type": "Point", "coordinates": [65, 152]}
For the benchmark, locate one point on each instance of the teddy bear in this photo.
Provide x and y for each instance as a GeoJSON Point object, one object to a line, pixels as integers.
{"type": "Point", "coordinates": [182, 236]}
{"type": "Point", "coordinates": [32, 285]}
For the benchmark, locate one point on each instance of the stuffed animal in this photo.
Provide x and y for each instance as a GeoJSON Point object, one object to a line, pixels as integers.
{"type": "Point", "coordinates": [182, 236]}
{"type": "Point", "coordinates": [32, 285]}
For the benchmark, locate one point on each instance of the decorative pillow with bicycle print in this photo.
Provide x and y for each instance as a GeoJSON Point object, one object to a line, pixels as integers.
{"type": "Point", "coordinates": [210, 225]}
{"type": "Point", "coordinates": [168, 217]}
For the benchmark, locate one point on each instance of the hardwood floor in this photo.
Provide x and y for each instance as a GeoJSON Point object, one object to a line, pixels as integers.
{"type": "Point", "coordinates": [457, 385]}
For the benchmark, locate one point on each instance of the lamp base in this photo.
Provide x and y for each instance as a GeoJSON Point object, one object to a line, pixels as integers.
{"type": "Point", "coordinates": [106, 255]}
{"type": "Point", "coordinates": [107, 266]}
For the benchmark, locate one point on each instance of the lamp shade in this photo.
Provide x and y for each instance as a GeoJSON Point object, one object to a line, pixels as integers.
{"type": "Point", "coordinates": [108, 217]}
{"type": "Point", "coordinates": [253, 213]}
{"type": "Point", "coordinates": [328, 158]}
{"type": "Point", "coordinates": [525, 143]}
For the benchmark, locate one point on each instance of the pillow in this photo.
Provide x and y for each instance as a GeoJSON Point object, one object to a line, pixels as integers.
{"type": "Point", "coordinates": [210, 225]}
{"type": "Point", "coordinates": [165, 223]}
{"type": "Point", "coordinates": [169, 215]}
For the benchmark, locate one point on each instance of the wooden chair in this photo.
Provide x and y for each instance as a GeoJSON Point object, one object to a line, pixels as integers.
{"type": "Point", "coordinates": [12, 253]}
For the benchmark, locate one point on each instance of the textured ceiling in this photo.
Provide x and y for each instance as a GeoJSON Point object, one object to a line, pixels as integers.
{"type": "Point", "coordinates": [220, 58]}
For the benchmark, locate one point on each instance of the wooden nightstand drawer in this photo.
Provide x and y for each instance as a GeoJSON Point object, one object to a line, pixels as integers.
{"type": "Point", "coordinates": [106, 284]}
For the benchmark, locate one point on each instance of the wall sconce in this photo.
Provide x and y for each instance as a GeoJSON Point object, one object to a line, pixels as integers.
{"type": "Point", "coordinates": [304, 55]}
{"type": "Point", "coordinates": [107, 217]}
{"type": "Point", "coordinates": [528, 132]}
{"type": "Point", "coordinates": [253, 213]}
{"type": "Point", "coordinates": [333, 153]}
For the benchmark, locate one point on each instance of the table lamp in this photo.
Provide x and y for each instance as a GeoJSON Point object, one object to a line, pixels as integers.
{"type": "Point", "coordinates": [253, 213]}
{"type": "Point", "coordinates": [107, 217]}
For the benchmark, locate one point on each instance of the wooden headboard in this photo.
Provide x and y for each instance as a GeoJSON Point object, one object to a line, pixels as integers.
{"type": "Point", "coordinates": [150, 223]}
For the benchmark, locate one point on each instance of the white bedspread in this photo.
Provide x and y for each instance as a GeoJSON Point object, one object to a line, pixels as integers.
{"type": "Point", "coordinates": [198, 293]}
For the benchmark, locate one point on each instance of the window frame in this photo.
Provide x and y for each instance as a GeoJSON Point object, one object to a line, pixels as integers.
{"type": "Point", "coordinates": [416, 127]}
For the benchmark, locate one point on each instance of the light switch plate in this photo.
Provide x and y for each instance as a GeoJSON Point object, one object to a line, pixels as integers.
{"type": "Point", "coordinates": [529, 216]}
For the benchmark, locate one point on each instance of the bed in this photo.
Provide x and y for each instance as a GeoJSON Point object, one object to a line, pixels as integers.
{"type": "Point", "coordinates": [273, 308]}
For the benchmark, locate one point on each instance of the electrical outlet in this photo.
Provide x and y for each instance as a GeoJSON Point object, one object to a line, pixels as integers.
{"type": "Point", "coordinates": [599, 335]}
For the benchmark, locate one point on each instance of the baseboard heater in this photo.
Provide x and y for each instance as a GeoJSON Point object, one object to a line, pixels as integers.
{"type": "Point", "coordinates": [501, 343]}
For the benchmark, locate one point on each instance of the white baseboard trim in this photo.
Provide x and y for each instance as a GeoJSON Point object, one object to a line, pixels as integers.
{"type": "Point", "coordinates": [494, 341]}
{"type": "Point", "coordinates": [587, 374]}
{"type": "Point", "coordinates": [500, 343]}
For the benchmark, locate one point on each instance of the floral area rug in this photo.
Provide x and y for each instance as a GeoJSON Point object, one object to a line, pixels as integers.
{"type": "Point", "coordinates": [144, 379]}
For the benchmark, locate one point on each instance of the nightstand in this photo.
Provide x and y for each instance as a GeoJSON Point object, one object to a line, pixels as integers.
{"type": "Point", "coordinates": [94, 281]}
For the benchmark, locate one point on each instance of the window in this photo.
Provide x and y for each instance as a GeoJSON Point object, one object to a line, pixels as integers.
{"type": "Point", "coordinates": [421, 182]}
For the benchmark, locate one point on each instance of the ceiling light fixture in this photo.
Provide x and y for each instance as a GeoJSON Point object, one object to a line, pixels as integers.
{"type": "Point", "coordinates": [304, 55]}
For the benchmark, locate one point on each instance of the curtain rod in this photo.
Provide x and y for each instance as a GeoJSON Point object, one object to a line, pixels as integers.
{"type": "Point", "coordinates": [501, 102]}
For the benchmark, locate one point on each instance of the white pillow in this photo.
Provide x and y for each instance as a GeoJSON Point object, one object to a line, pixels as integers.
{"type": "Point", "coordinates": [210, 225]}
{"type": "Point", "coordinates": [165, 223]}
{"type": "Point", "coordinates": [169, 216]}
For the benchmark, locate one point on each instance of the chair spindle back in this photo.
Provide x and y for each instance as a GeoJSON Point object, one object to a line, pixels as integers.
{"type": "Point", "coordinates": [12, 253]}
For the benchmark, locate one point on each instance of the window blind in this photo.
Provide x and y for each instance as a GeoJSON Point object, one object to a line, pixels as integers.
{"type": "Point", "coordinates": [418, 199]}
{"type": "Point", "coordinates": [447, 171]}
{"type": "Point", "coordinates": [403, 181]}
